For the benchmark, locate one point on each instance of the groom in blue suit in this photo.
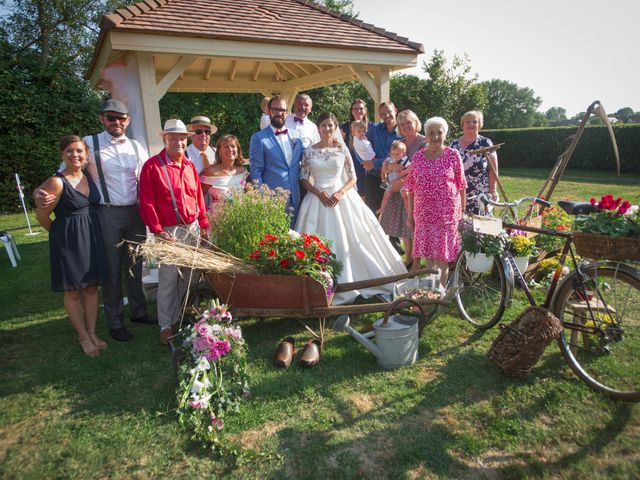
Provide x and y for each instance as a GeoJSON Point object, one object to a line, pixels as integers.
{"type": "Point", "coordinates": [275, 157]}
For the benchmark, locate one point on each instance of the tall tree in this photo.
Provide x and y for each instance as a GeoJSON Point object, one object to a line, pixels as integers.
{"type": "Point", "coordinates": [556, 116]}
{"type": "Point", "coordinates": [452, 89]}
{"type": "Point", "coordinates": [509, 106]}
{"type": "Point", "coordinates": [342, 6]}
{"type": "Point", "coordinates": [624, 114]}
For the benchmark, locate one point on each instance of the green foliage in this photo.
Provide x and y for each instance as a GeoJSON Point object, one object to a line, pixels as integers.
{"type": "Point", "coordinates": [38, 106]}
{"type": "Point", "coordinates": [342, 6]}
{"type": "Point", "coordinates": [476, 242]}
{"type": "Point", "coordinates": [246, 217]}
{"type": "Point", "coordinates": [540, 147]}
{"type": "Point", "coordinates": [509, 106]}
{"type": "Point", "coordinates": [337, 99]}
{"type": "Point", "coordinates": [234, 113]}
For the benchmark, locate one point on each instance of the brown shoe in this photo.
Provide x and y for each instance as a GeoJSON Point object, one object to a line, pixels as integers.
{"type": "Point", "coordinates": [284, 353]}
{"type": "Point", "coordinates": [165, 333]}
{"type": "Point", "coordinates": [311, 354]}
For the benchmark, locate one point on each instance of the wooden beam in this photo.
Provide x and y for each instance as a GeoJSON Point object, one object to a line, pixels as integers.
{"type": "Point", "coordinates": [304, 69]}
{"type": "Point", "coordinates": [256, 71]}
{"type": "Point", "coordinates": [225, 85]}
{"type": "Point", "coordinates": [172, 75]}
{"type": "Point", "coordinates": [288, 70]}
{"type": "Point", "coordinates": [233, 70]}
{"type": "Point", "coordinates": [209, 69]}
{"type": "Point", "coordinates": [279, 70]}
{"type": "Point", "coordinates": [366, 81]}
{"type": "Point", "coordinates": [319, 78]}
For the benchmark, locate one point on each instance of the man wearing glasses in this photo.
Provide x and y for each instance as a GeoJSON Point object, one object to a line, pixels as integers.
{"type": "Point", "coordinates": [275, 156]}
{"type": "Point", "coordinates": [114, 165]}
{"type": "Point", "coordinates": [199, 152]}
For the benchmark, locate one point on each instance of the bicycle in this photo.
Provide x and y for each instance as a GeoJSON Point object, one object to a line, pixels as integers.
{"type": "Point", "coordinates": [483, 296]}
{"type": "Point", "coordinates": [598, 305]}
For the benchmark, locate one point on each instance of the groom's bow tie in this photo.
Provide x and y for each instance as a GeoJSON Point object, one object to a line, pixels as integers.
{"type": "Point", "coordinates": [284, 131]}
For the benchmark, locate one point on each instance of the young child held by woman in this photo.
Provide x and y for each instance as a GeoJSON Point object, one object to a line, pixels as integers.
{"type": "Point", "coordinates": [361, 143]}
{"type": "Point", "coordinates": [394, 167]}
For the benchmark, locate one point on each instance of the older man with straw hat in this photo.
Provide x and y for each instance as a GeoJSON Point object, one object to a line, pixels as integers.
{"type": "Point", "coordinates": [172, 206]}
{"type": "Point", "coordinates": [199, 152]}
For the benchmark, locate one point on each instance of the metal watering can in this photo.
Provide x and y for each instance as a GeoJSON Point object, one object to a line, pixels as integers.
{"type": "Point", "coordinates": [396, 336]}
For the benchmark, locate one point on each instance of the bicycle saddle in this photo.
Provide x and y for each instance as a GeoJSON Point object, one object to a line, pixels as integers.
{"type": "Point", "coordinates": [576, 208]}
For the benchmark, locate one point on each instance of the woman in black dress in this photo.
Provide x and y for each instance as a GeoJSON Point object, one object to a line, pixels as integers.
{"type": "Point", "coordinates": [76, 250]}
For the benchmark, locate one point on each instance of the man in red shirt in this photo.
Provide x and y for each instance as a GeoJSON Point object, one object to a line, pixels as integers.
{"type": "Point", "coordinates": [172, 206]}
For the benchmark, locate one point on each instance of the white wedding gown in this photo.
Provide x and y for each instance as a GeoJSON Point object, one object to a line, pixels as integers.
{"type": "Point", "coordinates": [356, 236]}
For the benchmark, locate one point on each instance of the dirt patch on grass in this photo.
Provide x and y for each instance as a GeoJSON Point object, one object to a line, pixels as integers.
{"type": "Point", "coordinates": [251, 439]}
{"type": "Point", "coordinates": [372, 454]}
{"type": "Point", "coordinates": [362, 402]}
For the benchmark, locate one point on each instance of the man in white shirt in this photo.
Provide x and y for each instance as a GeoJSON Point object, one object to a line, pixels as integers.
{"type": "Point", "coordinates": [298, 123]}
{"type": "Point", "coordinates": [199, 152]}
{"type": "Point", "coordinates": [114, 164]}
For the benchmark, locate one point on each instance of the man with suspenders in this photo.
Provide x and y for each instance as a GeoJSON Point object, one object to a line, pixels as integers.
{"type": "Point", "coordinates": [114, 165]}
{"type": "Point", "coordinates": [172, 206]}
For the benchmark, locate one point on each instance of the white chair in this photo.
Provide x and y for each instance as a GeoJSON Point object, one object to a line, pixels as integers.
{"type": "Point", "coordinates": [11, 247]}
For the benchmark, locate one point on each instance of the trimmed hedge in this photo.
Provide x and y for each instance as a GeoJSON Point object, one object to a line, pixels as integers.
{"type": "Point", "coordinates": [541, 147]}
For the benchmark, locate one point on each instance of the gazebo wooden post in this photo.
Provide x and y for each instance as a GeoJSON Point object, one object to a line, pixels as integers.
{"type": "Point", "coordinates": [150, 101]}
{"type": "Point", "coordinates": [378, 86]}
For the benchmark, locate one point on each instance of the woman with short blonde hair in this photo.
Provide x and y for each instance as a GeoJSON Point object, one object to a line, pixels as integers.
{"type": "Point", "coordinates": [481, 175]}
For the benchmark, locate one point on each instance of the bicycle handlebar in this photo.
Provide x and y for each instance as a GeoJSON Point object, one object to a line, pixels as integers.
{"type": "Point", "coordinates": [484, 198]}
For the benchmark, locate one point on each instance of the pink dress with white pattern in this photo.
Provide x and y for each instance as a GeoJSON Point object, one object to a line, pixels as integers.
{"type": "Point", "coordinates": [436, 186]}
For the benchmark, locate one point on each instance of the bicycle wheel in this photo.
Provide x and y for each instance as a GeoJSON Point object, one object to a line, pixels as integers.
{"type": "Point", "coordinates": [601, 328]}
{"type": "Point", "coordinates": [481, 297]}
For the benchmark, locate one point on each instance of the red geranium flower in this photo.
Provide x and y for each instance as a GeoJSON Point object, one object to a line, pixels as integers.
{"type": "Point", "coordinates": [300, 254]}
{"type": "Point", "coordinates": [272, 253]}
{"type": "Point", "coordinates": [284, 263]}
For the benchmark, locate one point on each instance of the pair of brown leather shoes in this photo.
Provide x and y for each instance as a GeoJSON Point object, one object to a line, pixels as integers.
{"type": "Point", "coordinates": [286, 348]}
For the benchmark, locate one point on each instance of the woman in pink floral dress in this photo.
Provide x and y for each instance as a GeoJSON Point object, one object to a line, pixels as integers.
{"type": "Point", "coordinates": [436, 187]}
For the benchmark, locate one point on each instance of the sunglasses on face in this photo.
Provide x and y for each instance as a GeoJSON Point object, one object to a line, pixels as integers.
{"type": "Point", "coordinates": [112, 118]}
{"type": "Point", "coordinates": [200, 132]}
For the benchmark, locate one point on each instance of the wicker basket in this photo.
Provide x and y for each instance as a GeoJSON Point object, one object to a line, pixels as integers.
{"type": "Point", "coordinates": [520, 345]}
{"type": "Point", "coordinates": [604, 247]}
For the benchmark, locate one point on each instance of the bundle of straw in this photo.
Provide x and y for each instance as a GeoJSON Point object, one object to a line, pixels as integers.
{"type": "Point", "coordinates": [210, 259]}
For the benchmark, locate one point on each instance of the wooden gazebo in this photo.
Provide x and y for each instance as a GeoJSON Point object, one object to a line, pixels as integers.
{"type": "Point", "coordinates": [260, 46]}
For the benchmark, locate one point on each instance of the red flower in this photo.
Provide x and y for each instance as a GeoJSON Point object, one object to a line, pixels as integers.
{"type": "Point", "coordinates": [272, 253]}
{"type": "Point", "coordinates": [592, 200]}
{"type": "Point", "coordinates": [254, 255]}
{"type": "Point", "coordinates": [300, 254]}
{"type": "Point", "coordinates": [284, 263]}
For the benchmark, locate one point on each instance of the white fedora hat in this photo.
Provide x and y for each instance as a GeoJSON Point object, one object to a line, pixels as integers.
{"type": "Point", "coordinates": [174, 125]}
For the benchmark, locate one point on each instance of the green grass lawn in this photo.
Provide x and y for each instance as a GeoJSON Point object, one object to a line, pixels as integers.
{"type": "Point", "coordinates": [452, 415]}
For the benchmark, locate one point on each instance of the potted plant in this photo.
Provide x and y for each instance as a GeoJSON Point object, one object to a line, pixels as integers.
{"type": "Point", "coordinates": [480, 248]}
{"type": "Point", "coordinates": [522, 247]}
{"type": "Point", "coordinates": [611, 231]}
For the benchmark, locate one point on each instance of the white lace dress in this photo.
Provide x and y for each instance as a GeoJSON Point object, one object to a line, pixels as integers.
{"type": "Point", "coordinates": [356, 236]}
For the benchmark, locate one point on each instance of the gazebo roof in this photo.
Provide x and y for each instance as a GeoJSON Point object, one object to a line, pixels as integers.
{"type": "Point", "coordinates": [244, 46]}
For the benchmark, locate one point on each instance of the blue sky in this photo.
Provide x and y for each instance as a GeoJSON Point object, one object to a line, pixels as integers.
{"type": "Point", "coordinates": [570, 52]}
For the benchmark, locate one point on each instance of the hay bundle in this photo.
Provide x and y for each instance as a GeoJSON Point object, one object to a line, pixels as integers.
{"type": "Point", "coordinates": [209, 258]}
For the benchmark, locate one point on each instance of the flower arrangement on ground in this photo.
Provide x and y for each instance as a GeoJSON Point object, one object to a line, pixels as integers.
{"type": "Point", "coordinates": [613, 217]}
{"type": "Point", "coordinates": [475, 242]}
{"type": "Point", "coordinates": [246, 216]}
{"type": "Point", "coordinates": [212, 376]}
{"type": "Point", "coordinates": [297, 254]}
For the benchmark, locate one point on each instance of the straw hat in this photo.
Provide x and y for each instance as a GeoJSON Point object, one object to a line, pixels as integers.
{"type": "Point", "coordinates": [174, 125]}
{"type": "Point", "coordinates": [200, 121]}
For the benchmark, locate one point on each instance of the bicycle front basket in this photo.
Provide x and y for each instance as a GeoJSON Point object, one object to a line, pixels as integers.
{"type": "Point", "coordinates": [605, 247]}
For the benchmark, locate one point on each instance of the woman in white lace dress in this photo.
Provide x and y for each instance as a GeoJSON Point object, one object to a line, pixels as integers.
{"type": "Point", "coordinates": [335, 211]}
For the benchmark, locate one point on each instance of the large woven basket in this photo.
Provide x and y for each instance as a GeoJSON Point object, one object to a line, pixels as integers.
{"type": "Point", "coordinates": [520, 344]}
{"type": "Point", "coordinates": [604, 247]}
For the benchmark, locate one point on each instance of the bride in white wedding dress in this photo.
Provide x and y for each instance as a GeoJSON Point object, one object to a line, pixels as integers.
{"type": "Point", "coordinates": [333, 209]}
